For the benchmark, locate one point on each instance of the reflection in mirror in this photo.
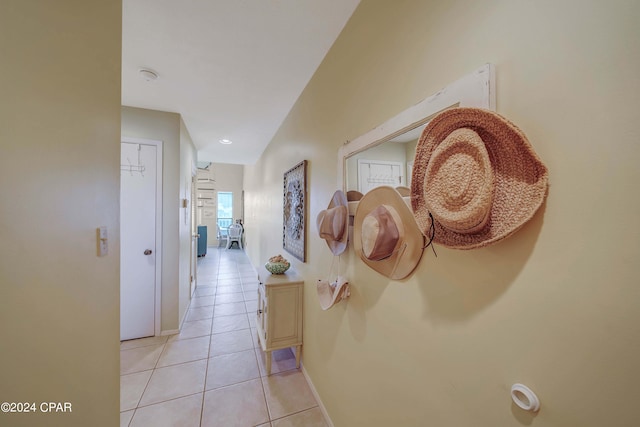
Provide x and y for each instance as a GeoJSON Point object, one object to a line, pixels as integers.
{"type": "Point", "coordinates": [384, 155]}
{"type": "Point", "coordinates": [388, 163]}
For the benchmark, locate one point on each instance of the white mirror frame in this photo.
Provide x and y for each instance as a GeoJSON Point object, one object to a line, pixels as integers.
{"type": "Point", "coordinates": [474, 90]}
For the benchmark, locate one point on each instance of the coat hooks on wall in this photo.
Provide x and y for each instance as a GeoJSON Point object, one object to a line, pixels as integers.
{"type": "Point", "coordinates": [131, 168]}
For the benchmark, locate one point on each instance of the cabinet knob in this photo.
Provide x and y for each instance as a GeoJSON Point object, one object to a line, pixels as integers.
{"type": "Point", "coordinates": [259, 312]}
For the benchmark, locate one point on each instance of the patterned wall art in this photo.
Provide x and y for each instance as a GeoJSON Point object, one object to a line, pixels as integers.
{"type": "Point", "coordinates": [294, 225]}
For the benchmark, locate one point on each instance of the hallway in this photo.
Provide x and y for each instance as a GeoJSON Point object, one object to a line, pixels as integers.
{"type": "Point", "coordinates": [213, 372]}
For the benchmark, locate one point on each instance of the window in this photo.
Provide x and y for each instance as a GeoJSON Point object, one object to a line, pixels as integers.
{"type": "Point", "coordinates": [225, 209]}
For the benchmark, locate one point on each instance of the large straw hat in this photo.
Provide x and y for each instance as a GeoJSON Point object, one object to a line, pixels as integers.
{"type": "Point", "coordinates": [479, 177]}
{"type": "Point", "coordinates": [333, 223]}
{"type": "Point", "coordinates": [386, 235]}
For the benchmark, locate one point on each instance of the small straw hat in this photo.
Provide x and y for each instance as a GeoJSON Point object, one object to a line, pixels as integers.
{"type": "Point", "coordinates": [386, 235]}
{"type": "Point", "coordinates": [333, 223]}
{"type": "Point", "coordinates": [329, 294]}
{"type": "Point", "coordinates": [354, 196]}
{"type": "Point", "coordinates": [477, 175]}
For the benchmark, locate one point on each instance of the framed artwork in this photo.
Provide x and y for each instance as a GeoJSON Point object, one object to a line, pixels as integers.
{"type": "Point", "coordinates": [294, 226]}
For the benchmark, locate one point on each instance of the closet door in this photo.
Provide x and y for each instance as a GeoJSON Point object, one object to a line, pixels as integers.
{"type": "Point", "coordinates": [138, 240]}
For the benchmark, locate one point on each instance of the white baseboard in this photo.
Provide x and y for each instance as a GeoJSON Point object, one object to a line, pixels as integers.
{"type": "Point", "coordinates": [317, 396]}
{"type": "Point", "coordinates": [170, 332]}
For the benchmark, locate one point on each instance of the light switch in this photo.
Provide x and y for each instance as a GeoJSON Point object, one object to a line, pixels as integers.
{"type": "Point", "coordinates": [103, 247]}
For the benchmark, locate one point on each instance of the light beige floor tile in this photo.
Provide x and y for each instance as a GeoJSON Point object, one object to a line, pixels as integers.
{"type": "Point", "coordinates": [205, 291]}
{"type": "Point", "coordinates": [230, 342]}
{"type": "Point", "coordinates": [139, 359]}
{"type": "Point", "coordinates": [194, 329]}
{"type": "Point", "coordinates": [125, 418]}
{"type": "Point", "coordinates": [183, 412]}
{"type": "Point", "coordinates": [287, 393]}
{"type": "Point", "coordinates": [281, 360]}
{"type": "Point", "coordinates": [252, 306]}
{"type": "Point", "coordinates": [232, 368]}
{"type": "Point", "coordinates": [253, 322]}
{"type": "Point", "coordinates": [199, 313]}
{"type": "Point", "coordinates": [206, 276]}
{"type": "Point", "coordinates": [230, 323]}
{"type": "Point", "coordinates": [230, 309]}
{"type": "Point", "coordinates": [310, 418]}
{"type": "Point", "coordinates": [131, 388]}
{"type": "Point", "coordinates": [254, 338]}
{"type": "Point", "coordinates": [175, 381]}
{"type": "Point", "coordinates": [240, 405]}
{"type": "Point", "coordinates": [251, 288]}
{"type": "Point", "coordinates": [227, 298]}
{"type": "Point", "coordinates": [184, 351]}
{"type": "Point", "coordinates": [205, 282]}
{"type": "Point", "coordinates": [142, 342]}
{"type": "Point", "coordinates": [228, 289]}
{"type": "Point", "coordinates": [250, 295]}
{"type": "Point", "coordinates": [202, 301]}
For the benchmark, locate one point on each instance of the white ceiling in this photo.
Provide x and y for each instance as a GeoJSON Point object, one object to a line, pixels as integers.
{"type": "Point", "coordinates": [232, 68]}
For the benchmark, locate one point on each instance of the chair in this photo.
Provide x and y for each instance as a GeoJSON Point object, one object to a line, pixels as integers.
{"type": "Point", "coordinates": [234, 235]}
{"type": "Point", "coordinates": [222, 236]}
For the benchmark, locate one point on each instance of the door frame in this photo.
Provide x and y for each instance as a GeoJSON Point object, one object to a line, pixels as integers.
{"type": "Point", "coordinates": [195, 237]}
{"type": "Point", "coordinates": [158, 285]}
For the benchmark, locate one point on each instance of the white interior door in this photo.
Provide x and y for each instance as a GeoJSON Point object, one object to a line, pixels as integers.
{"type": "Point", "coordinates": [374, 173]}
{"type": "Point", "coordinates": [138, 240]}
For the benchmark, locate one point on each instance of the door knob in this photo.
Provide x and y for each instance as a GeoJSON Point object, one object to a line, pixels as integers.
{"type": "Point", "coordinates": [148, 252]}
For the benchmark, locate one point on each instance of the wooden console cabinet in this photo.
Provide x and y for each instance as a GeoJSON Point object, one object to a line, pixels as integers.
{"type": "Point", "coordinates": [279, 314]}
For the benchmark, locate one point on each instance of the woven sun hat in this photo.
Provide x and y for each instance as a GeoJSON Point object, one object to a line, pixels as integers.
{"type": "Point", "coordinates": [333, 223]}
{"type": "Point", "coordinates": [386, 235]}
{"type": "Point", "coordinates": [477, 175]}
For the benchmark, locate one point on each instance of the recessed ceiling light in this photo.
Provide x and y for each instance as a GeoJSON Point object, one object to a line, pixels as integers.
{"type": "Point", "coordinates": [148, 75]}
{"type": "Point", "coordinates": [226, 141]}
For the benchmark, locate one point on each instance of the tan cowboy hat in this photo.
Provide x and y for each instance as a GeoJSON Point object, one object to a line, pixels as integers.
{"type": "Point", "coordinates": [404, 191]}
{"type": "Point", "coordinates": [333, 223]}
{"type": "Point", "coordinates": [386, 235]}
{"type": "Point", "coordinates": [477, 175]}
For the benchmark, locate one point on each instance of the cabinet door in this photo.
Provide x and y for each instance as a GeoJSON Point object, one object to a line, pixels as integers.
{"type": "Point", "coordinates": [284, 306]}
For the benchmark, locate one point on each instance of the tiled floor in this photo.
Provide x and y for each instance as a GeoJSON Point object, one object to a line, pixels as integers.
{"type": "Point", "coordinates": [213, 373]}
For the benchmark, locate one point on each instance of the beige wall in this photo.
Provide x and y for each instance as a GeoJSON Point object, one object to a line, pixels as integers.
{"type": "Point", "coordinates": [59, 182]}
{"type": "Point", "coordinates": [556, 306]}
{"type": "Point", "coordinates": [166, 127]}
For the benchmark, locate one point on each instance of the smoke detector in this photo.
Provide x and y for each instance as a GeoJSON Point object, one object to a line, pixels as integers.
{"type": "Point", "coordinates": [148, 75]}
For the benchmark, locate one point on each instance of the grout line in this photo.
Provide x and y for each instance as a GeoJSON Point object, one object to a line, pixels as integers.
{"type": "Point", "coordinates": [206, 371]}
{"type": "Point", "coordinates": [168, 400]}
{"type": "Point", "coordinates": [296, 413]}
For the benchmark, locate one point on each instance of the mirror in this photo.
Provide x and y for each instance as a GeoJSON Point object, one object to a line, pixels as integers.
{"type": "Point", "coordinates": [384, 155]}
